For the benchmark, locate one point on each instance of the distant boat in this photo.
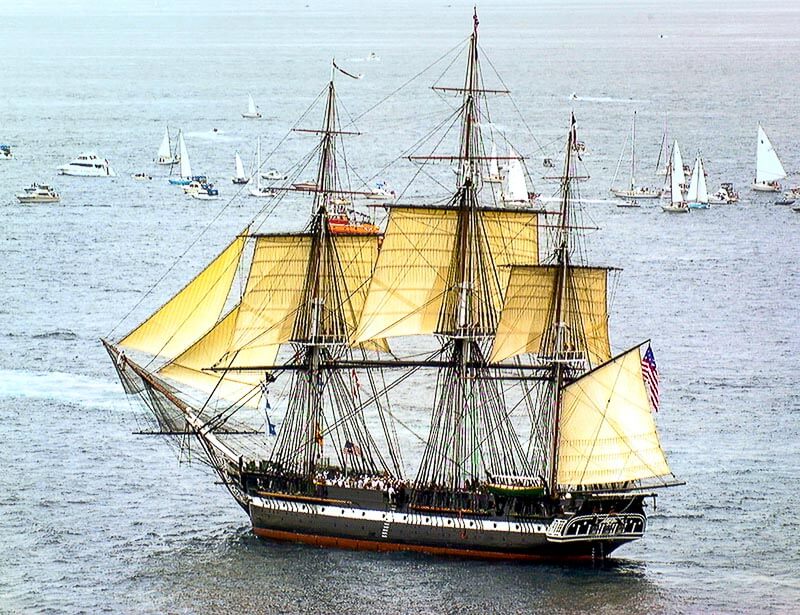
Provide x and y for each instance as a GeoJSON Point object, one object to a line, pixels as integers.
{"type": "Point", "coordinates": [697, 197]}
{"type": "Point", "coordinates": [381, 192]}
{"type": "Point", "coordinates": [494, 176]}
{"type": "Point", "coordinates": [678, 204]}
{"type": "Point", "coordinates": [88, 165]}
{"type": "Point", "coordinates": [258, 190]}
{"type": "Point", "coordinates": [165, 154]}
{"type": "Point", "coordinates": [5, 152]}
{"type": "Point", "coordinates": [785, 202]}
{"type": "Point", "coordinates": [142, 177]}
{"type": "Point", "coordinates": [769, 169]}
{"type": "Point", "coordinates": [38, 193]}
{"type": "Point", "coordinates": [274, 175]}
{"type": "Point", "coordinates": [629, 203]}
{"type": "Point", "coordinates": [240, 177]}
{"type": "Point", "coordinates": [252, 111]}
{"type": "Point", "coordinates": [725, 195]}
{"type": "Point", "coordinates": [186, 165]}
{"type": "Point", "coordinates": [514, 189]}
{"type": "Point", "coordinates": [206, 192]}
{"type": "Point", "coordinates": [632, 191]}
{"type": "Point", "coordinates": [663, 153]}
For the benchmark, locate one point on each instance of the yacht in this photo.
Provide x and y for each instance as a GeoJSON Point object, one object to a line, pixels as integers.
{"type": "Point", "coordinates": [88, 165]}
{"type": "Point", "coordinates": [38, 193]}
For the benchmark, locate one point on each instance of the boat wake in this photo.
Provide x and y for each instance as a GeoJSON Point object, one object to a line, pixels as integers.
{"type": "Point", "coordinates": [607, 99]}
{"type": "Point", "coordinates": [59, 386]}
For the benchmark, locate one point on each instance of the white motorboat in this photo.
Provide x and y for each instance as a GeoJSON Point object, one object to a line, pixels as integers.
{"type": "Point", "coordinates": [677, 204]}
{"type": "Point", "coordinates": [88, 165]}
{"type": "Point", "coordinates": [725, 195]}
{"type": "Point", "coordinates": [240, 177]}
{"type": "Point", "coordinates": [274, 175]}
{"type": "Point", "coordinates": [165, 154]}
{"type": "Point", "coordinates": [769, 170]}
{"type": "Point", "coordinates": [381, 192]}
{"type": "Point", "coordinates": [252, 111]}
{"type": "Point", "coordinates": [5, 152]}
{"type": "Point", "coordinates": [205, 192]}
{"type": "Point", "coordinates": [142, 177]}
{"type": "Point", "coordinates": [38, 193]}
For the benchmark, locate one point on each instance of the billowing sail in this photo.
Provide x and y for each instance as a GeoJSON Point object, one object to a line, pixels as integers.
{"type": "Point", "coordinates": [768, 165]}
{"type": "Point", "coordinates": [607, 433]}
{"type": "Point", "coordinates": [409, 283]}
{"type": "Point", "coordinates": [515, 189]}
{"type": "Point", "coordinates": [526, 323]}
{"type": "Point", "coordinates": [188, 367]}
{"type": "Point", "coordinates": [186, 167]}
{"type": "Point", "coordinates": [164, 152]}
{"type": "Point", "coordinates": [676, 175]}
{"type": "Point", "coordinates": [251, 105]}
{"type": "Point", "coordinates": [189, 314]}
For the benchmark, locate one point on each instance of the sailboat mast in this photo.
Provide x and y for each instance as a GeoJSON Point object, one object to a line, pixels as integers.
{"type": "Point", "coordinates": [633, 153]}
{"type": "Point", "coordinates": [562, 258]}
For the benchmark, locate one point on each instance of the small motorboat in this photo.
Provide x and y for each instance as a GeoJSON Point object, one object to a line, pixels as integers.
{"type": "Point", "coordinates": [381, 192]}
{"type": "Point", "coordinates": [38, 193]}
{"type": "Point", "coordinates": [142, 177]}
{"type": "Point", "coordinates": [205, 192]}
{"type": "Point", "coordinates": [5, 152]}
{"type": "Point", "coordinates": [274, 175]}
{"type": "Point", "coordinates": [785, 202]}
{"type": "Point", "coordinates": [632, 203]}
{"type": "Point", "coordinates": [725, 195]}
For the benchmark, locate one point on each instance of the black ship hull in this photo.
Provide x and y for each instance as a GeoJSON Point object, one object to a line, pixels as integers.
{"type": "Point", "coordinates": [350, 525]}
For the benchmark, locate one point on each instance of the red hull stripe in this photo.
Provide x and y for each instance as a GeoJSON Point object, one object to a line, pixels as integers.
{"type": "Point", "coordinates": [374, 545]}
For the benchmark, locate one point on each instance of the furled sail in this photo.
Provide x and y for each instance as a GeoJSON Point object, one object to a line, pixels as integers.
{"type": "Point", "coordinates": [607, 433]}
{"type": "Point", "coordinates": [188, 367]}
{"type": "Point", "coordinates": [409, 283]}
{"type": "Point", "coordinates": [526, 323]}
{"type": "Point", "coordinates": [768, 165]}
{"type": "Point", "coordinates": [189, 314]}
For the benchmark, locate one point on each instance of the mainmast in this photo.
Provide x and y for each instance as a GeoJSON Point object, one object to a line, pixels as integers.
{"type": "Point", "coordinates": [560, 356]}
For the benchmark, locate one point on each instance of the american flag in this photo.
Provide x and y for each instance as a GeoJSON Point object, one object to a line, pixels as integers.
{"type": "Point", "coordinates": [650, 375]}
{"type": "Point", "coordinates": [351, 448]}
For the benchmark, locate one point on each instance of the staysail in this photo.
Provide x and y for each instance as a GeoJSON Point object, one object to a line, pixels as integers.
{"type": "Point", "coordinates": [676, 175]}
{"type": "Point", "coordinates": [607, 434]}
{"type": "Point", "coordinates": [190, 313]}
{"type": "Point", "coordinates": [526, 323]}
{"type": "Point", "coordinates": [768, 165]}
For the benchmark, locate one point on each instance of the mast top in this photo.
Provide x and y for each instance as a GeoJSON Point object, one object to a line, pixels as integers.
{"type": "Point", "coordinates": [475, 21]}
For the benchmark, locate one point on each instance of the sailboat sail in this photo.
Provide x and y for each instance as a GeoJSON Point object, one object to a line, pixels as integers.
{"type": "Point", "coordinates": [768, 166]}
{"type": "Point", "coordinates": [251, 105]}
{"type": "Point", "coordinates": [676, 175]}
{"type": "Point", "coordinates": [186, 166]}
{"type": "Point", "coordinates": [608, 435]}
{"type": "Point", "coordinates": [515, 189]}
{"type": "Point", "coordinates": [698, 190]}
{"type": "Point", "coordinates": [494, 170]}
{"type": "Point", "coordinates": [164, 151]}
{"type": "Point", "coordinates": [239, 167]}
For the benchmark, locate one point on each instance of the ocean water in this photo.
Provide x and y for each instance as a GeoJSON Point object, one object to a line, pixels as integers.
{"type": "Point", "coordinates": [96, 519]}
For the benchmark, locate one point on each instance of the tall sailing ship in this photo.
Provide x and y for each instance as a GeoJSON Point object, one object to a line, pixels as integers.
{"type": "Point", "coordinates": [511, 335]}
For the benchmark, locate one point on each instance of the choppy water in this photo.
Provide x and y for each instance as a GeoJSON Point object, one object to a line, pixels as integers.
{"type": "Point", "coordinates": [95, 519]}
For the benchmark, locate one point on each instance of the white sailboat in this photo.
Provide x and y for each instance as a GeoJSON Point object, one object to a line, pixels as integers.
{"type": "Point", "coordinates": [258, 190]}
{"type": "Point", "coordinates": [769, 169]}
{"type": "Point", "coordinates": [240, 177]}
{"type": "Point", "coordinates": [663, 154]}
{"type": "Point", "coordinates": [252, 111]}
{"type": "Point", "coordinates": [185, 166]}
{"type": "Point", "coordinates": [697, 197]}
{"type": "Point", "coordinates": [165, 155]}
{"type": "Point", "coordinates": [677, 204]}
{"type": "Point", "coordinates": [633, 192]}
{"type": "Point", "coordinates": [514, 189]}
{"type": "Point", "coordinates": [494, 176]}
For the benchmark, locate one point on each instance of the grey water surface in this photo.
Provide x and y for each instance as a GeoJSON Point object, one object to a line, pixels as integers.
{"type": "Point", "coordinates": [95, 519]}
